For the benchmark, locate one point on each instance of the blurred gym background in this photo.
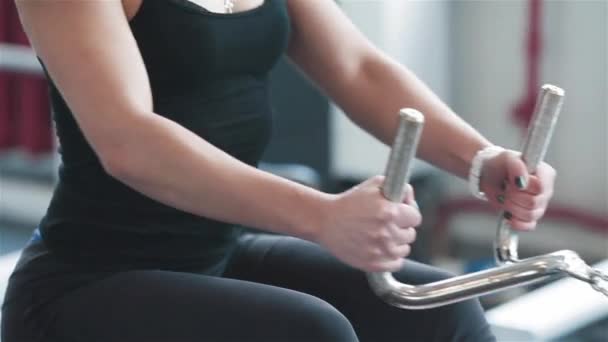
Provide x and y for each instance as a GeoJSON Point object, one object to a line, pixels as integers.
{"type": "Point", "coordinates": [486, 59]}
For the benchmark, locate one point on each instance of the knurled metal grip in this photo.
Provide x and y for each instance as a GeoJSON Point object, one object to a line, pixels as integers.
{"type": "Point", "coordinates": [402, 154]}
{"type": "Point", "coordinates": [540, 131]}
{"type": "Point", "coordinates": [546, 113]}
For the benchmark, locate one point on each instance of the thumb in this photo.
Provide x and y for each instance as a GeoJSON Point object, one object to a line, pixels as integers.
{"type": "Point", "coordinates": [375, 181]}
{"type": "Point", "coordinates": [517, 171]}
{"type": "Point", "coordinates": [409, 197]}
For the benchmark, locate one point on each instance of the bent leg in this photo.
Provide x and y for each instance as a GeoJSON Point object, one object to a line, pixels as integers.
{"type": "Point", "coordinates": [306, 267]}
{"type": "Point", "coordinates": [182, 307]}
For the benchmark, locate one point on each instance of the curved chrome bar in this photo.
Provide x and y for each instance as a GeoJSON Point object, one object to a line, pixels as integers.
{"type": "Point", "coordinates": [513, 272]}
{"type": "Point", "coordinates": [471, 285]}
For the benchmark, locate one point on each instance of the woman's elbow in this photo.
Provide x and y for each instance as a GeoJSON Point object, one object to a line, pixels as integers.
{"type": "Point", "coordinates": [115, 163]}
{"type": "Point", "coordinates": [117, 149]}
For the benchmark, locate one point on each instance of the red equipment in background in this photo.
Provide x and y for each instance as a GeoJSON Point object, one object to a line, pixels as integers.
{"type": "Point", "coordinates": [25, 121]}
{"type": "Point", "coordinates": [522, 115]}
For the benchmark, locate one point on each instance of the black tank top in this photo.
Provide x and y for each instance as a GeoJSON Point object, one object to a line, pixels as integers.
{"type": "Point", "coordinates": [209, 73]}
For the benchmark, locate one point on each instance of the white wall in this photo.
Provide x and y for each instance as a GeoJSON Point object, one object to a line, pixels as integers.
{"type": "Point", "coordinates": [416, 34]}
{"type": "Point", "coordinates": [488, 76]}
{"type": "Point", "coordinates": [487, 80]}
{"type": "Point", "coordinates": [578, 44]}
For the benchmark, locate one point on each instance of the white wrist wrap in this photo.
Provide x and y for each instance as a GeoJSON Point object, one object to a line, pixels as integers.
{"type": "Point", "coordinates": [476, 167]}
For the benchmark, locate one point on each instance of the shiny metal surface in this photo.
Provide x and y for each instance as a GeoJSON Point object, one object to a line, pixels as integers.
{"type": "Point", "coordinates": [511, 271]}
{"type": "Point", "coordinates": [471, 285]}
{"type": "Point", "coordinates": [19, 59]}
{"type": "Point", "coordinates": [546, 112]}
{"type": "Point", "coordinates": [402, 154]}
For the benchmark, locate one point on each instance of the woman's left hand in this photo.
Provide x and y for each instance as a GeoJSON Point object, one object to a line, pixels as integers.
{"type": "Point", "coordinates": [509, 187]}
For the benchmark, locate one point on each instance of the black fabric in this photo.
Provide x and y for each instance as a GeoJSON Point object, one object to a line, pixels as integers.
{"type": "Point", "coordinates": [209, 73]}
{"type": "Point", "coordinates": [273, 289]}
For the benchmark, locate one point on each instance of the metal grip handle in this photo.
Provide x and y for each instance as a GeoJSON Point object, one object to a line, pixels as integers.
{"type": "Point", "coordinates": [396, 178]}
{"type": "Point", "coordinates": [546, 112]}
{"type": "Point", "coordinates": [402, 154]}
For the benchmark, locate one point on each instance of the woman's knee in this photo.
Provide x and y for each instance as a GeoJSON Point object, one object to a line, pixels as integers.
{"type": "Point", "coordinates": [462, 321]}
{"type": "Point", "coordinates": [320, 321]}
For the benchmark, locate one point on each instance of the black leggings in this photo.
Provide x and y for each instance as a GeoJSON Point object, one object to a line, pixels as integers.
{"type": "Point", "coordinates": [274, 289]}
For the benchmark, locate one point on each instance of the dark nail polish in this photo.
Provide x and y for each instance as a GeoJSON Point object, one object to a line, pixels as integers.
{"type": "Point", "coordinates": [520, 182]}
{"type": "Point", "coordinates": [500, 199]}
{"type": "Point", "coordinates": [508, 215]}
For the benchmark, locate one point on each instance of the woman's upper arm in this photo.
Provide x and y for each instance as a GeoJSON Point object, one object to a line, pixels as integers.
{"type": "Point", "coordinates": [91, 55]}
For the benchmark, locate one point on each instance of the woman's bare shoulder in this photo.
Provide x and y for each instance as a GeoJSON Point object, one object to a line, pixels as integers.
{"type": "Point", "coordinates": [90, 53]}
{"type": "Point", "coordinates": [131, 7]}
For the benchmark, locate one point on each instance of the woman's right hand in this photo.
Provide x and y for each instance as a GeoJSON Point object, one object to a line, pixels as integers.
{"type": "Point", "coordinates": [365, 230]}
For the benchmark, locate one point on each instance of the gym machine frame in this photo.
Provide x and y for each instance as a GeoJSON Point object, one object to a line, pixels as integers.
{"type": "Point", "coordinates": [511, 271]}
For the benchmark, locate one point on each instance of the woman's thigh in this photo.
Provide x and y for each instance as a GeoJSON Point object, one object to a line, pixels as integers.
{"type": "Point", "coordinates": [172, 306]}
{"type": "Point", "coordinates": [305, 267]}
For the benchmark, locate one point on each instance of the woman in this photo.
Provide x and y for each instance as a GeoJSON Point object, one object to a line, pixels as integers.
{"type": "Point", "coordinates": [162, 112]}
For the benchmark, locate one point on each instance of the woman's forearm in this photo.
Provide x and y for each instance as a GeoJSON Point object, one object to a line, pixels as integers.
{"type": "Point", "coordinates": [168, 163]}
{"type": "Point", "coordinates": [382, 87]}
